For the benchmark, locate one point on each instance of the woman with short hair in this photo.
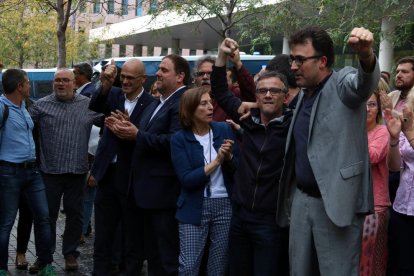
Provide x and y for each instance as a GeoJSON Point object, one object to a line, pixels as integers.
{"type": "Point", "coordinates": [202, 154]}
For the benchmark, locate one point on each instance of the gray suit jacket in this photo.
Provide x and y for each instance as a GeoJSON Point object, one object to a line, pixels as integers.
{"type": "Point", "coordinates": [337, 148]}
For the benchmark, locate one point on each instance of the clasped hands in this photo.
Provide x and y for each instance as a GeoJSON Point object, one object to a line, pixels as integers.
{"type": "Point", "coordinates": [403, 122]}
{"type": "Point", "coordinates": [121, 126]}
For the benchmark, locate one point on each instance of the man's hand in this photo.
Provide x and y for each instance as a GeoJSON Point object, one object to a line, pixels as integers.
{"type": "Point", "coordinates": [91, 181]}
{"type": "Point", "coordinates": [235, 58]}
{"type": "Point", "coordinates": [125, 130]}
{"type": "Point", "coordinates": [361, 40]}
{"type": "Point", "coordinates": [227, 48]}
{"type": "Point", "coordinates": [244, 109]}
{"type": "Point", "coordinates": [108, 76]}
{"type": "Point", "coordinates": [121, 116]}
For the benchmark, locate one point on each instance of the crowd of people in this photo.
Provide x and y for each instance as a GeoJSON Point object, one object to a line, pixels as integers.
{"type": "Point", "coordinates": [290, 172]}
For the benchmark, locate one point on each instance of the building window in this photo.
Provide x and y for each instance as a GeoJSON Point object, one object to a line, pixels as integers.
{"type": "Point", "coordinates": [153, 6]}
{"type": "Point", "coordinates": [111, 6]}
{"type": "Point", "coordinates": [96, 6]}
{"type": "Point", "coordinates": [138, 8]}
{"type": "Point", "coordinates": [124, 7]}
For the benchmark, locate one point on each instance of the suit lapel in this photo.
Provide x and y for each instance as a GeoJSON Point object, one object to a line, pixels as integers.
{"type": "Point", "coordinates": [120, 104]}
{"type": "Point", "coordinates": [164, 107]}
{"type": "Point", "coordinates": [139, 106]}
{"type": "Point", "coordinates": [295, 114]}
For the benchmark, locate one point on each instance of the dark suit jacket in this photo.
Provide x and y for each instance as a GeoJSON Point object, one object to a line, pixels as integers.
{"type": "Point", "coordinates": [153, 179]}
{"type": "Point", "coordinates": [110, 145]}
{"type": "Point", "coordinates": [337, 148]}
{"type": "Point", "coordinates": [89, 90]}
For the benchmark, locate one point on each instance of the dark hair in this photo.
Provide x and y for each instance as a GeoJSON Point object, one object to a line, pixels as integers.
{"type": "Point", "coordinates": [189, 102]}
{"type": "Point", "coordinates": [280, 63]}
{"type": "Point", "coordinates": [85, 69]}
{"type": "Point", "coordinates": [273, 74]}
{"type": "Point", "coordinates": [409, 59]}
{"type": "Point", "coordinates": [180, 66]}
{"type": "Point", "coordinates": [202, 60]}
{"type": "Point", "coordinates": [12, 78]}
{"type": "Point", "coordinates": [321, 42]}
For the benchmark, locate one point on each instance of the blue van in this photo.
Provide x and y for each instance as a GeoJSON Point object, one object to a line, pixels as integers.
{"type": "Point", "coordinates": [253, 63]}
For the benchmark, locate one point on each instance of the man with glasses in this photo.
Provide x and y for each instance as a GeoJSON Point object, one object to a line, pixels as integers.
{"type": "Point", "coordinates": [326, 187]}
{"type": "Point", "coordinates": [204, 67]}
{"type": "Point", "coordinates": [19, 172]}
{"type": "Point", "coordinates": [111, 168]}
{"type": "Point", "coordinates": [257, 245]}
{"type": "Point", "coordinates": [65, 123]}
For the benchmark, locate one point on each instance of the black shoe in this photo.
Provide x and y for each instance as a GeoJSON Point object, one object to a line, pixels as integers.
{"type": "Point", "coordinates": [34, 268]}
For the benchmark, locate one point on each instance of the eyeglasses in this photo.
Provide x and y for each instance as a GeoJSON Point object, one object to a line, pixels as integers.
{"type": "Point", "coordinates": [129, 78]}
{"type": "Point", "coordinates": [64, 80]}
{"type": "Point", "coordinates": [273, 91]}
{"type": "Point", "coordinates": [299, 60]}
{"type": "Point", "coordinates": [201, 74]}
{"type": "Point", "coordinates": [372, 105]}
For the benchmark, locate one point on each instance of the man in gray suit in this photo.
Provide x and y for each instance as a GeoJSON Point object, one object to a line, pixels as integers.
{"type": "Point", "coordinates": [326, 186]}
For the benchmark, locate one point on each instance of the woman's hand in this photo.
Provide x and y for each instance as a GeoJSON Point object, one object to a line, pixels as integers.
{"type": "Point", "coordinates": [226, 149]}
{"type": "Point", "coordinates": [393, 124]}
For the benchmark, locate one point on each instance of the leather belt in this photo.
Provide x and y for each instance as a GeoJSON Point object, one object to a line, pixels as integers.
{"type": "Point", "coordinates": [310, 191]}
{"type": "Point", "coordinates": [23, 165]}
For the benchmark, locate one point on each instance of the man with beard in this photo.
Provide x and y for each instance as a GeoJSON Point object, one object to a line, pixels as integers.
{"type": "Point", "coordinates": [404, 81]}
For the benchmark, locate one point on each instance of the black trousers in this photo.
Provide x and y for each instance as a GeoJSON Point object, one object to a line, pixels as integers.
{"type": "Point", "coordinates": [71, 188]}
{"type": "Point", "coordinates": [401, 244]}
{"type": "Point", "coordinates": [151, 234]}
{"type": "Point", "coordinates": [109, 225]}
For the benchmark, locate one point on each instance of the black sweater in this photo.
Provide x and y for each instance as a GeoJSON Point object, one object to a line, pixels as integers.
{"type": "Point", "coordinates": [262, 152]}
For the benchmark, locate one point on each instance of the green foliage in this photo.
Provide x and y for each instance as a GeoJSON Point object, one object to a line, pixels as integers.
{"type": "Point", "coordinates": [338, 17]}
{"type": "Point", "coordinates": [28, 37]}
{"type": "Point", "coordinates": [228, 14]}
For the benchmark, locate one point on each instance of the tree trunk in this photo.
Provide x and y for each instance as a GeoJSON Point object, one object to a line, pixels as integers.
{"type": "Point", "coordinates": [61, 48]}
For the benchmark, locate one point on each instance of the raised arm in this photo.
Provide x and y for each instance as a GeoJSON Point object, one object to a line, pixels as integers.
{"type": "Point", "coordinates": [219, 88]}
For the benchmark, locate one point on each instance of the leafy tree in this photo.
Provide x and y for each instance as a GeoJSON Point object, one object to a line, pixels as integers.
{"type": "Point", "coordinates": [337, 16]}
{"type": "Point", "coordinates": [26, 36]}
{"type": "Point", "coordinates": [64, 10]}
{"type": "Point", "coordinates": [228, 13]}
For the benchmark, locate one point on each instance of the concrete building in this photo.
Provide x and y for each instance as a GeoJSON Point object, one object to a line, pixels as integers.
{"type": "Point", "coordinates": [130, 30]}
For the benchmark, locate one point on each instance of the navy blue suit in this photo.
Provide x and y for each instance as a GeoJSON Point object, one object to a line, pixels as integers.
{"type": "Point", "coordinates": [112, 179]}
{"type": "Point", "coordinates": [89, 90]}
{"type": "Point", "coordinates": [155, 186]}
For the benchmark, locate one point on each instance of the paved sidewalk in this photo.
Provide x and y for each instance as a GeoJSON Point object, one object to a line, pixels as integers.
{"type": "Point", "coordinates": [85, 259]}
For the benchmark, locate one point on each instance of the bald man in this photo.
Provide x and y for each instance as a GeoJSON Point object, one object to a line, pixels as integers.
{"type": "Point", "coordinates": [113, 157]}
